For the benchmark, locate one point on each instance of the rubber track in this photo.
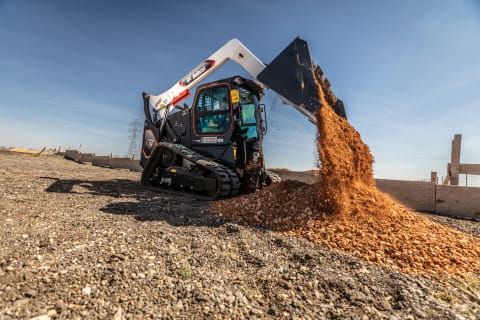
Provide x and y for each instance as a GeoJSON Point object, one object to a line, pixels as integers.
{"type": "Point", "coordinates": [227, 180]}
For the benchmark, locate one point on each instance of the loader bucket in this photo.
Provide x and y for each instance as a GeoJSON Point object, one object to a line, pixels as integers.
{"type": "Point", "coordinates": [292, 74]}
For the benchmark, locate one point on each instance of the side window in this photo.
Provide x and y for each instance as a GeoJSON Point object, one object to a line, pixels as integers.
{"type": "Point", "coordinates": [248, 120]}
{"type": "Point", "coordinates": [212, 110]}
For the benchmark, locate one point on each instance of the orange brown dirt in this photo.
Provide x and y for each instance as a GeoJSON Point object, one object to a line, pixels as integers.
{"type": "Point", "coordinates": [346, 212]}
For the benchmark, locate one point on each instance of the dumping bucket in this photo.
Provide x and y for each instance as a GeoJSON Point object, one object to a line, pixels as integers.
{"type": "Point", "coordinates": [292, 74]}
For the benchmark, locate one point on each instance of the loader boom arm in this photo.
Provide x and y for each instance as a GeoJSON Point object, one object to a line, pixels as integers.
{"type": "Point", "coordinates": [292, 75]}
{"type": "Point", "coordinates": [233, 50]}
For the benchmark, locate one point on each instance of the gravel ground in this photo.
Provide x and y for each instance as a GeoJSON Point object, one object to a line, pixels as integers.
{"type": "Point", "coordinates": [79, 241]}
{"type": "Point", "coordinates": [467, 226]}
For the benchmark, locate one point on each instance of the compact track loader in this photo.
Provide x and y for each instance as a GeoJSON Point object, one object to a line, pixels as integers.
{"type": "Point", "coordinates": [215, 146]}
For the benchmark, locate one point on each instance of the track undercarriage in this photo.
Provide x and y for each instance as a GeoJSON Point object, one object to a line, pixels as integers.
{"type": "Point", "coordinates": [174, 165]}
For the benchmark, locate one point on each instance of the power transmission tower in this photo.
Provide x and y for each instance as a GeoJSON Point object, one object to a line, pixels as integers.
{"type": "Point", "coordinates": [133, 137]}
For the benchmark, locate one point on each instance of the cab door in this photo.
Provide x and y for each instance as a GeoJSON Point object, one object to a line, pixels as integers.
{"type": "Point", "coordinates": [212, 122]}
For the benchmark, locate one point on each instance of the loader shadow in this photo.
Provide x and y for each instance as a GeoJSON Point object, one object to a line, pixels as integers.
{"type": "Point", "coordinates": [117, 188]}
{"type": "Point", "coordinates": [178, 208]}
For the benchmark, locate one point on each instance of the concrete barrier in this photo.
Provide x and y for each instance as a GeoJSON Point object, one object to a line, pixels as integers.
{"type": "Point", "coordinates": [85, 157]}
{"type": "Point", "coordinates": [413, 194]}
{"type": "Point", "coordinates": [120, 163]}
{"type": "Point", "coordinates": [444, 200]}
{"type": "Point", "coordinates": [101, 161]}
{"type": "Point", "coordinates": [71, 154]}
{"type": "Point", "coordinates": [135, 166]}
{"type": "Point", "coordinates": [117, 163]}
{"type": "Point", "coordinates": [458, 201]}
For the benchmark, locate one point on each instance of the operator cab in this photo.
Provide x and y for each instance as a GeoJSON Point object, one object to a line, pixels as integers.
{"type": "Point", "coordinates": [227, 125]}
{"type": "Point", "coordinates": [220, 106]}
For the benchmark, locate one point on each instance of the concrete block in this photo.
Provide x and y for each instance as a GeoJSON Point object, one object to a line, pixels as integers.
{"type": "Point", "coordinates": [120, 163]}
{"type": "Point", "coordinates": [85, 157]}
{"type": "Point", "coordinates": [135, 166]}
{"type": "Point", "coordinates": [71, 154]}
{"type": "Point", "coordinates": [412, 194]}
{"type": "Point", "coordinates": [101, 161]}
{"type": "Point", "coordinates": [458, 201]}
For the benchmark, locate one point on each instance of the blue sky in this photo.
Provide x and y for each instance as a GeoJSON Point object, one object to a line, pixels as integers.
{"type": "Point", "coordinates": [72, 72]}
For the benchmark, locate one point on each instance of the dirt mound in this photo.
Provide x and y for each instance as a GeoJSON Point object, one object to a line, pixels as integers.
{"type": "Point", "coordinates": [275, 207]}
{"type": "Point", "coordinates": [346, 212]}
{"type": "Point", "coordinates": [379, 231]}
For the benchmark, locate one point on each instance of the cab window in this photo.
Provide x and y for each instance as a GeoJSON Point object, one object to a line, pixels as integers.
{"type": "Point", "coordinates": [248, 114]}
{"type": "Point", "coordinates": [212, 110]}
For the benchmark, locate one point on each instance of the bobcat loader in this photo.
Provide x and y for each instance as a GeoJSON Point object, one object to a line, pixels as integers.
{"type": "Point", "coordinates": [215, 145]}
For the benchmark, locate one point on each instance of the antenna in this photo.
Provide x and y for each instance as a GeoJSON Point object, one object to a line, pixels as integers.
{"type": "Point", "coordinates": [133, 137]}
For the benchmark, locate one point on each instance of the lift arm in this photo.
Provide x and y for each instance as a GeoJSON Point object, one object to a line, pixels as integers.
{"type": "Point", "coordinates": [292, 75]}
{"type": "Point", "coordinates": [233, 50]}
